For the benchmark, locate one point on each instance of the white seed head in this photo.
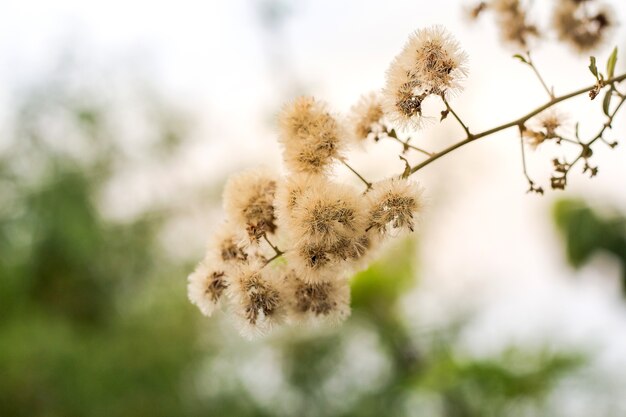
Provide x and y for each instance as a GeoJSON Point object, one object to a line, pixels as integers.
{"type": "Point", "coordinates": [431, 63]}
{"type": "Point", "coordinates": [311, 136]}
{"type": "Point", "coordinates": [394, 204]}
{"type": "Point", "coordinates": [206, 285]}
{"type": "Point", "coordinates": [584, 25]}
{"type": "Point", "coordinates": [249, 201]}
{"type": "Point", "coordinates": [366, 117]}
{"type": "Point", "coordinates": [256, 299]}
{"type": "Point", "coordinates": [321, 301]}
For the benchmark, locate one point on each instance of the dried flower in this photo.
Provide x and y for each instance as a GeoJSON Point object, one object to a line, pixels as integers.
{"type": "Point", "coordinates": [513, 23]}
{"type": "Point", "coordinates": [366, 117]}
{"type": "Point", "coordinates": [394, 203]}
{"type": "Point", "coordinates": [229, 244]}
{"type": "Point", "coordinates": [311, 137]}
{"type": "Point", "coordinates": [289, 193]}
{"type": "Point", "coordinates": [431, 63]}
{"type": "Point", "coordinates": [312, 301]}
{"type": "Point", "coordinates": [545, 127]}
{"type": "Point", "coordinates": [328, 212]}
{"type": "Point", "coordinates": [257, 302]}
{"type": "Point", "coordinates": [583, 27]}
{"type": "Point", "coordinates": [206, 285]}
{"type": "Point", "coordinates": [249, 202]}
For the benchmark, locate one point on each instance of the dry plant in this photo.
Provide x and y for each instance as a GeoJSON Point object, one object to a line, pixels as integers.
{"type": "Point", "coordinates": [290, 243]}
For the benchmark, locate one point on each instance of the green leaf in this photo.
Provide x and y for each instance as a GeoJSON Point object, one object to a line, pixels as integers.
{"type": "Point", "coordinates": [521, 58]}
{"type": "Point", "coordinates": [610, 64]}
{"type": "Point", "coordinates": [592, 66]}
{"type": "Point", "coordinates": [607, 102]}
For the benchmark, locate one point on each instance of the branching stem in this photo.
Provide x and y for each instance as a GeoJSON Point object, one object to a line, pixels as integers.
{"type": "Point", "coordinates": [518, 122]}
{"type": "Point", "coordinates": [405, 143]}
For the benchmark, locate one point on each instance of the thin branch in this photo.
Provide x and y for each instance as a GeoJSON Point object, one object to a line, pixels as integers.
{"type": "Point", "coordinates": [607, 124]}
{"type": "Point", "coordinates": [456, 116]}
{"type": "Point", "coordinates": [366, 182]}
{"type": "Point", "coordinates": [531, 183]}
{"type": "Point", "coordinates": [536, 71]}
{"type": "Point", "coordinates": [405, 143]}
{"type": "Point", "coordinates": [277, 252]}
{"type": "Point", "coordinates": [517, 122]}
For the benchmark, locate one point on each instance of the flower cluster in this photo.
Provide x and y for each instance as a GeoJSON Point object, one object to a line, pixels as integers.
{"type": "Point", "coordinates": [582, 24]}
{"type": "Point", "coordinates": [290, 243]}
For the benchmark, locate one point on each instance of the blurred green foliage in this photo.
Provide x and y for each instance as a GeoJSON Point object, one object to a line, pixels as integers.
{"type": "Point", "coordinates": [94, 319]}
{"type": "Point", "coordinates": [586, 231]}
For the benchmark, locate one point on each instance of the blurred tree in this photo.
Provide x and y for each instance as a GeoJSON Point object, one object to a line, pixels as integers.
{"type": "Point", "coordinates": [586, 231]}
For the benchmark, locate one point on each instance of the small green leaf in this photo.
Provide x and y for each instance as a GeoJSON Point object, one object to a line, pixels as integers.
{"type": "Point", "coordinates": [607, 102]}
{"type": "Point", "coordinates": [521, 58]}
{"type": "Point", "coordinates": [610, 64]}
{"type": "Point", "coordinates": [592, 66]}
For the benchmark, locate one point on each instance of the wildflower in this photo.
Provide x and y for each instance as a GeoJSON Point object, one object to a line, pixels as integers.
{"type": "Point", "coordinates": [311, 137]}
{"type": "Point", "coordinates": [206, 285]}
{"type": "Point", "coordinates": [431, 63]}
{"type": "Point", "coordinates": [327, 300]}
{"type": "Point", "coordinates": [229, 244]}
{"type": "Point", "coordinates": [366, 117]}
{"type": "Point", "coordinates": [545, 128]}
{"type": "Point", "coordinates": [256, 298]}
{"type": "Point", "coordinates": [394, 203]}
{"type": "Point", "coordinates": [513, 22]}
{"type": "Point", "coordinates": [314, 261]}
{"type": "Point", "coordinates": [328, 212]}
{"type": "Point", "coordinates": [582, 26]}
{"type": "Point", "coordinates": [289, 193]}
{"type": "Point", "coordinates": [249, 202]}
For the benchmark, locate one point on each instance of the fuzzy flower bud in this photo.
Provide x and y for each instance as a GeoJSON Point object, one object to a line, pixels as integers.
{"type": "Point", "coordinates": [311, 137]}
{"type": "Point", "coordinates": [431, 63]}
{"type": "Point", "coordinates": [394, 203]}
{"type": "Point", "coordinates": [249, 202]}
{"type": "Point", "coordinates": [206, 285]}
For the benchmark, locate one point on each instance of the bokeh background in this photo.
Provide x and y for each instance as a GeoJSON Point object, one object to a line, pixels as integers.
{"type": "Point", "coordinates": [121, 120]}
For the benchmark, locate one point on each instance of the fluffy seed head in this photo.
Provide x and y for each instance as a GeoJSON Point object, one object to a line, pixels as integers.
{"type": "Point", "coordinates": [229, 245]}
{"type": "Point", "coordinates": [394, 203]}
{"type": "Point", "coordinates": [206, 285]}
{"type": "Point", "coordinates": [256, 299]}
{"type": "Point", "coordinates": [366, 117]}
{"type": "Point", "coordinates": [311, 137]}
{"type": "Point", "coordinates": [431, 63]}
{"type": "Point", "coordinates": [328, 212]}
{"type": "Point", "coordinates": [326, 300]}
{"type": "Point", "coordinates": [545, 127]}
{"type": "Point", "coordinates": [249, 202]}
{"type": "Point", "coordinates": [288, 195]}
{"type": "Point", "coordinates": [582, 25]}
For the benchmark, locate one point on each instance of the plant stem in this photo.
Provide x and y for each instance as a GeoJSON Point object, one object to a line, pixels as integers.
{"type": "Point", "coordinates": [366, 182]}
{"type": "Point", "coordinates": [276, 250]}
{"type": "Point", "coordinates": [405, 143]}
{"type": "Point", "coordinates": [517, 122]}
{"type": "Point", "coordinates": [608, 123]}
{"type": "Point", "coordinates": [456, 116]}
{"type": "Point", "coordinates": [536, 71]}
